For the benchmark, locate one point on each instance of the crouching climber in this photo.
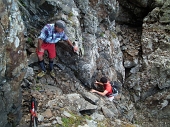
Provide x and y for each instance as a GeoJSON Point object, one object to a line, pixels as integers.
{"type": "Point", "coordinates": [109, 91]}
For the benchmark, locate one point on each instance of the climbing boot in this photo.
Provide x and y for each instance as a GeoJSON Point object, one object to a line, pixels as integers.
{"type": "Point", "coordinates": [41, 74]}
{"type": "Point", "coordinates": [52, 73]}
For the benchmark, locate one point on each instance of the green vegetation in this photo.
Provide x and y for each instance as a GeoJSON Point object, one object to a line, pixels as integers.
{"type": "Point", "coordinates": [38, 88]}
{"type": "Point", "coordinates": [105, 123]}
{"type": "Point", "coordinates": [102, 34]}
{"type": "Point", "coordinates": [70, 14]}
{"type": "Point", "coordinates": [30, 41]}
{"type": "Point", "coordinates": [76, 120]}
{"type": "Point", "coordinates": [73, 121]}
{"type": "Point", "coordinates": [113, 35]}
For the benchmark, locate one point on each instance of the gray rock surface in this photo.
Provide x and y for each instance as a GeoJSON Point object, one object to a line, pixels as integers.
{"type": "Point", "coordinates": [13, 62]}
{"type": "Point", "coordinates": [136, 55]}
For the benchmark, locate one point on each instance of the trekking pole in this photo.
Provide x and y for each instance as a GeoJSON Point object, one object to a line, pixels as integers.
{"type": "Point", "coordinates": [33, 111]}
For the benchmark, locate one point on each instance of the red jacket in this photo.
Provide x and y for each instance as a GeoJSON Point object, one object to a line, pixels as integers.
{"type": "Point", "coordinates": [108, 87]}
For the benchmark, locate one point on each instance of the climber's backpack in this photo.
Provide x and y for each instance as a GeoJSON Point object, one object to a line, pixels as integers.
{"type": "Point", "coordinates": [116, 86]}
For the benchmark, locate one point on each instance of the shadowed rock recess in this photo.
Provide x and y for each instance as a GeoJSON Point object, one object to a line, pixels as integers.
{"type": "Point", "coordinates": [126, 40]}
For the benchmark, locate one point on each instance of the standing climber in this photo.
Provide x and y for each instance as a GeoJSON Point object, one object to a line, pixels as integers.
{"type": "Point", "coordinates": [51, 34]}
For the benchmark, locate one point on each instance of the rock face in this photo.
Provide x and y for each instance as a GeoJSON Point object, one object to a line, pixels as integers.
{"type": "Point", "coordinates": [13, 62]}
{"type": "Point", "coordinates": [155, 53]}
{"type": "Point", "coordinates": [84, 66]}
{"type": "Point", "coordinates": [92, 30]}
{"type": "Point", "coordinates": [138, 57]}
{"type": "Point", "coordinates": [147, 60]}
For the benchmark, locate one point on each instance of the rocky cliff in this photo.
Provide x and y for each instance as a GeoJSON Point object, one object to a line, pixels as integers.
{"type": "Point", "coordinates": [13, 62]}
{"type": "Point", "coordinates": [147, 57]}
{"type": "Point", "coordinates": [125, 40]}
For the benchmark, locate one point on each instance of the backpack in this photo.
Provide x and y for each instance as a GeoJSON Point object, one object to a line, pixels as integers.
{"type": "Point", "coordinates": [116, 86]}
